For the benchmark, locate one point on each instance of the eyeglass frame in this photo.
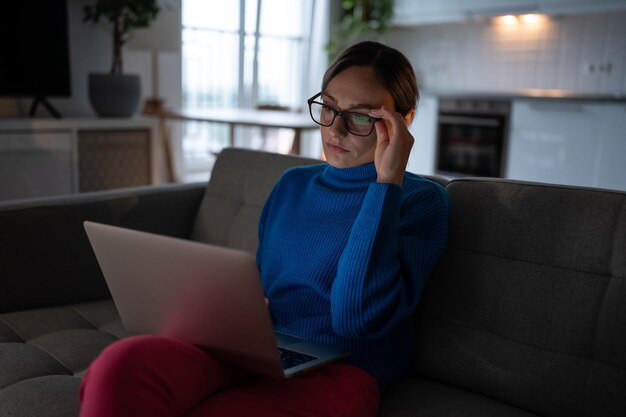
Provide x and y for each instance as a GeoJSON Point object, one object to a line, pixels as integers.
{"type": "Point", "coordinates": [341, 116]}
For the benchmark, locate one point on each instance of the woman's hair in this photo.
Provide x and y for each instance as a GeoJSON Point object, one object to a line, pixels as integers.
{"type": "Point", "coordinates": [392, 68]}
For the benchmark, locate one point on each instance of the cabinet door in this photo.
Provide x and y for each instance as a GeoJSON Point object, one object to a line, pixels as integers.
{"type": "Point", "coordinates": [554, 141]}
{"type": "Point", "coordinates": [35, 164]}
{"type": "Point", "coordinates": [556, 7]}
{"type": "Point", "coordinates": [610, 169]}
{"type": "Point", "coordinates": [415, 12]}
{"type": "Point", "coordinates": [113, 158]}
{"type": "Point", "coordinates": [410, 12]}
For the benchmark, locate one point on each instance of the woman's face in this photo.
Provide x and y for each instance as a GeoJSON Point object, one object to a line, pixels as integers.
{"type": "Point", "coordinates": [354, 89]}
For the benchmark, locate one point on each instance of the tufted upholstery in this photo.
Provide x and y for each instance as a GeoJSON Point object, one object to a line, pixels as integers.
{"type": "Point", "coordinates": [240, 183]}
{"type": "Point", "coordinates": [524, 315]}
{"type": "Point", "coordinates": [44, 353]}
{"type": "Point", "coordinates": [528, 303]}
{"type": "Point", "coordinates": [57, 316]}
{"type": "Point", "coordinates": [55, 311]}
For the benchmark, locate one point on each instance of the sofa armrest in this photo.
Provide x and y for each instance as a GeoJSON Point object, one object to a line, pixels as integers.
{"type": "Point", "coordinates": [46, 257]}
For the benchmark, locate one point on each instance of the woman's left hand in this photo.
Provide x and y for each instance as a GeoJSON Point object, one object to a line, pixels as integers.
{"type": "Point", "coordinates": [393, 146]}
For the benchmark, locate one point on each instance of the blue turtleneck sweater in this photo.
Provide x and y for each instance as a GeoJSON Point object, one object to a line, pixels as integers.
{"type": "Point", "coordinates": [344, 259]}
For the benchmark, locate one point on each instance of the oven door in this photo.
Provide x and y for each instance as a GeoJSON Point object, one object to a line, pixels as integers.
{"type": "Point", "coordinates": [470, 145]}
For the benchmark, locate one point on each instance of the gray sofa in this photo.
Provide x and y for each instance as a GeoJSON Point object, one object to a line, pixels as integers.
{"type": "Point", "coordinates": [525, 314]}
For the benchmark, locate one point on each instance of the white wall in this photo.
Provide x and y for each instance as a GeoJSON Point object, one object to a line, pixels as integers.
{"type": "Point", "coordinates": [581, 53]}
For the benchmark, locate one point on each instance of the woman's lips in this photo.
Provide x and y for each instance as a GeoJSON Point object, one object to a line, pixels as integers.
{"type": "Point", "coordinates": [335, 148]}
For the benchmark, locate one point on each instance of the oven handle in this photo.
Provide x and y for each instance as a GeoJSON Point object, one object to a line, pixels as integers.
{"type": "Point", "coordinates": [472, 121]}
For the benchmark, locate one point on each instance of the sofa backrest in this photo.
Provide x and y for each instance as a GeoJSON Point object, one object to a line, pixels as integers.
{"type": "Point", "coordinates": [45, 257]}
{"type": "Point", "coordinates": [528, 303]}
{"type": "Point", "coordinates": [241, 181]}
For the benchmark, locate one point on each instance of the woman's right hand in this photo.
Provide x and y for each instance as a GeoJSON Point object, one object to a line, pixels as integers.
{"type": "Point", "coordinates": [393, 145]}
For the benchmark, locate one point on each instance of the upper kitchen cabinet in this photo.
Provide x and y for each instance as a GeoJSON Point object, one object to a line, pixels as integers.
{"type": "Point", "coordinates": [407, 12]}
{"type": "Point", "coordinates": [411, 12]}
{"type": "Point", "coordinates": [563, 7]}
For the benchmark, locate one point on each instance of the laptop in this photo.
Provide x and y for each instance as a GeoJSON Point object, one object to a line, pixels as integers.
{"type": "Point", "coordinates": [206, 295]}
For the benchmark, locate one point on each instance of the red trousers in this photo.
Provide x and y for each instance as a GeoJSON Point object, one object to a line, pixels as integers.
{"type": "Point", "coordinates": [156, 376]}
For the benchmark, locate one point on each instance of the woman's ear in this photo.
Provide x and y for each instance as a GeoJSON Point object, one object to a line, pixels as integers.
{"type": "Point", "coordinates": [408, 118]}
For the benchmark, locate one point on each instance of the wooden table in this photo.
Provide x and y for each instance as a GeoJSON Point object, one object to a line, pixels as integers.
{"type": "Point", "coordinates": [297, 121]}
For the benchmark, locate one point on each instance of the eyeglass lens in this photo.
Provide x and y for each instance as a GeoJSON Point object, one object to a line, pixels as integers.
{"type": "Point", "coordinates": [356, 123]}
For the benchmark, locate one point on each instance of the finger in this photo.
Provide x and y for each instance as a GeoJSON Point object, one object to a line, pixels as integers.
{"type": "Point", "coordinates": [384, 113]}
{"type": "Point", "coordinates": [393, 120]}
{"type": "Point", "coordinates": [382, 132]}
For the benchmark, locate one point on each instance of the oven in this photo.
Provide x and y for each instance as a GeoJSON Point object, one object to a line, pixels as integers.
{"type": "Point", "coordinates": [472, 137]}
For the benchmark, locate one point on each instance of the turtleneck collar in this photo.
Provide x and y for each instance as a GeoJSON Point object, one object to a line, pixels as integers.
{"type": "Point", "coordinates": [355, 176]}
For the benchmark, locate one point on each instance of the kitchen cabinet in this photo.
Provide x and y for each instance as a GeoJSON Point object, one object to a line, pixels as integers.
{"type": "Point", "coordinates": [561, 7]}
{"type": "Point", "coordinates": [406, 12]}
{"type": "Point", "coordinates": [47, 157]}
{"type": "Point", "coordinates": [113, 158]}
{"type": "Point", "coordinates": [410, 12]}
{"type": "Point", "coordinates": [568, 142]}
{"type": "Point", "coordinates": [610, 166]}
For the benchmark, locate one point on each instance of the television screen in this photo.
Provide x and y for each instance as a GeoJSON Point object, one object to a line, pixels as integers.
{"type": "Point", "coordinates": [34, 52]}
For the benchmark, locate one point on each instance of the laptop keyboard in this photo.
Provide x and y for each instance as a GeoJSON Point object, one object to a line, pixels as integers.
{"type": "Point", "coordinates": [289, 358]}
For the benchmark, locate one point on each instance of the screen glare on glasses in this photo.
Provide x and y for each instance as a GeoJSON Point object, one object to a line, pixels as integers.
{"type": "Point", "coordinates": [358, 124]}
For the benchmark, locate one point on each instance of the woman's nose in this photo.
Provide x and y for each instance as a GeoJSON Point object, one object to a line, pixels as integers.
{"type": "Point", "coordinates": [338, 127]}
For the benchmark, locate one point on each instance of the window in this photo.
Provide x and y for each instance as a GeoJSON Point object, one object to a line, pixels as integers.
{"type": "Point", "coordinates": [245, 53]}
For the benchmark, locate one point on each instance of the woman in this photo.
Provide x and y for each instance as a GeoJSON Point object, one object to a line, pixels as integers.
{"type": "Point", "coordinates": [345, 249]}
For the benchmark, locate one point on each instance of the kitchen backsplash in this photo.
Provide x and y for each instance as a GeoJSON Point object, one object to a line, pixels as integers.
{"type": "Point", "coordinates": [579, 53]}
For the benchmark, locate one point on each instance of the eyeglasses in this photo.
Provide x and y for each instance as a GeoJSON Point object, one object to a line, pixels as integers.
{"type": "Point", "coordinates": [358, 124]}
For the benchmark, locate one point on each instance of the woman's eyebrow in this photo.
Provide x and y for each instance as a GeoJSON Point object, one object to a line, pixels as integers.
{"type": "Point", "coordinates": [326, 95]}
{"type": "Point", "coordinates": [353, 106]}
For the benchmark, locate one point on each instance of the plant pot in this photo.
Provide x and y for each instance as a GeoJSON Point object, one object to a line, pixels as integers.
{"type": "Point", "coordinates": [114, 95]}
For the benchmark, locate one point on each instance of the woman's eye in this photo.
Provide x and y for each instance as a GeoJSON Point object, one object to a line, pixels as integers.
{"type": "Point", "coordinates": [360, 118]}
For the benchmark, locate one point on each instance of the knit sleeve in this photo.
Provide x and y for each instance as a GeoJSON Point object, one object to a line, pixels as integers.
{"type": "Point", "coordinates": [261, 225]}
{"type": "Point", "coordinates": [392, 249]}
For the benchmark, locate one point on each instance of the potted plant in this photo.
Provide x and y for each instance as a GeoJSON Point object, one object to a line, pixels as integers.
{"type": "Point", "coordinates": [115, 94]}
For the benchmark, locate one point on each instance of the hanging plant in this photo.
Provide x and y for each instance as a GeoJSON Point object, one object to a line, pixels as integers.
{"type": "Point", "coordinates": [360, 20]}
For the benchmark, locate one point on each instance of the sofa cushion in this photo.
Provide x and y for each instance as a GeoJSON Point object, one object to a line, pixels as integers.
{"type": "Point", "coordinates": [22, 361]}
{"type": "Point", "coordinates": [528, 303]}
{"type": "Point", "coordinates": [422, 397]}
{"type": "Point", "coordinates": [44, 353]}
{"type": "Point", "coordinates": [55, 395]}
{"type": "Point", "coordinates": [240, 183]}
